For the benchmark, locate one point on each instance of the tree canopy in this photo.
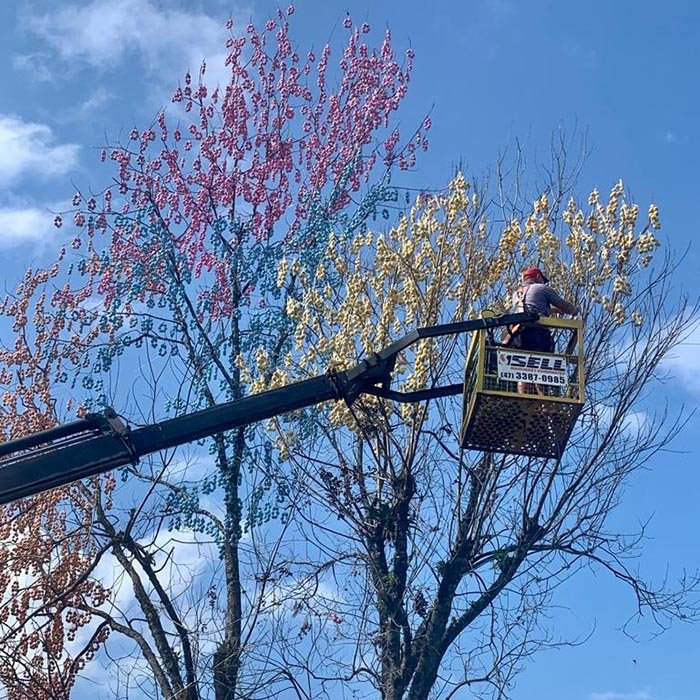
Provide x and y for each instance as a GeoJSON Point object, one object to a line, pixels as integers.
{"type": "Point", "coordinates": [445, 563]}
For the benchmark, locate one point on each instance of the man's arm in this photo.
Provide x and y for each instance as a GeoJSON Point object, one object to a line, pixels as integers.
{"type": "Point", "coordinates": [561, 306]}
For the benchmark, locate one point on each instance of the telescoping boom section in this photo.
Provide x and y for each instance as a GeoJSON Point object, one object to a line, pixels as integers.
{"type": "Point", "coordinates": [101, 442]}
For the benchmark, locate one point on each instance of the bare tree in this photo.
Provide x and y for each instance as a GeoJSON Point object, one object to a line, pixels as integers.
{"type": "Point", "coordinates": [439, 566]}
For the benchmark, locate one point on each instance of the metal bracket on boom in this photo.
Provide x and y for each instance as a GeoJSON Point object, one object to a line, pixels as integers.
{"type": "Point", "coordinates": [101, 442]}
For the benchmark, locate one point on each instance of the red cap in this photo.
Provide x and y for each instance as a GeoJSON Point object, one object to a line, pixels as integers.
{"type": "Point", "coordinates": [534, 272]}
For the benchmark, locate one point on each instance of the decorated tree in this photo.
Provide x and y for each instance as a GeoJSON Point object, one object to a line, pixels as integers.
{"type": "Point", "coordinates": [439, 566]}
{"type": "Point", "coordinates": [165, 295]}
{"type": "Point", "coordinates": [341, 550]}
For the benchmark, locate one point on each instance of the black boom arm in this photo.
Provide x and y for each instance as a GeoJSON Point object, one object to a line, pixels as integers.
{"type": "Point", "coordinates": [101, 442]}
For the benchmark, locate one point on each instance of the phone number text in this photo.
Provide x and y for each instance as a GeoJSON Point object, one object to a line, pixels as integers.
{"type": "Point", "coordinates": [509, 375]}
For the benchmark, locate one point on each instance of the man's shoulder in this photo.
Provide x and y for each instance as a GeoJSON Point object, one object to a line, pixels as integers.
{"type": "Point", "coordinates": [540, 288]}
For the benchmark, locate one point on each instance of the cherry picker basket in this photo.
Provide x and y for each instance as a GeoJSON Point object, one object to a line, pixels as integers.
{"type": "Point", "coordinates": [521, 401]}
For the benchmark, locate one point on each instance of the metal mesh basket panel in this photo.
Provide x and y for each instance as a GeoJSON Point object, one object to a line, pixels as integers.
{"type": "Point", "coordinates": [519, 425]}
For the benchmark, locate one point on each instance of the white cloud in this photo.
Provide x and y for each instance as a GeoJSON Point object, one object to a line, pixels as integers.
{"type": "Point", "coordinates": [610, 695]}
{"type": "Point", "coordinates": [26, 224]}
{"type": "Point", "coordinates": [36, 64]}
{"type": "Point", "coordinates": [632, 423]}
{"type": "Point", "coordinates": [181, 556]}
{"type": "Point", "coordinates": [284, 596]}
{"type": "Point", "coordinates": [684, 363]}
{"type": "Point", "coordinates": [87, 110]}
{"type": "Point", "coordinates": [191, 465]}
{"type": "Point", "coordinates": [28, 148]}
{"type": "Point", "coordinates": [98, 98]}
{"type": "Point", "coordinates": [103, 33]}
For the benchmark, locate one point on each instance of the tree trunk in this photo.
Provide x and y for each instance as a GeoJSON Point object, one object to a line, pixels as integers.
{"type": "Point", "coordinates": [227, 657]}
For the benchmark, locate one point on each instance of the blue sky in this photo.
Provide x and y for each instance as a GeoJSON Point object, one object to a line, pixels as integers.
{"type": "Point", "coordinates": [489, 72]}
